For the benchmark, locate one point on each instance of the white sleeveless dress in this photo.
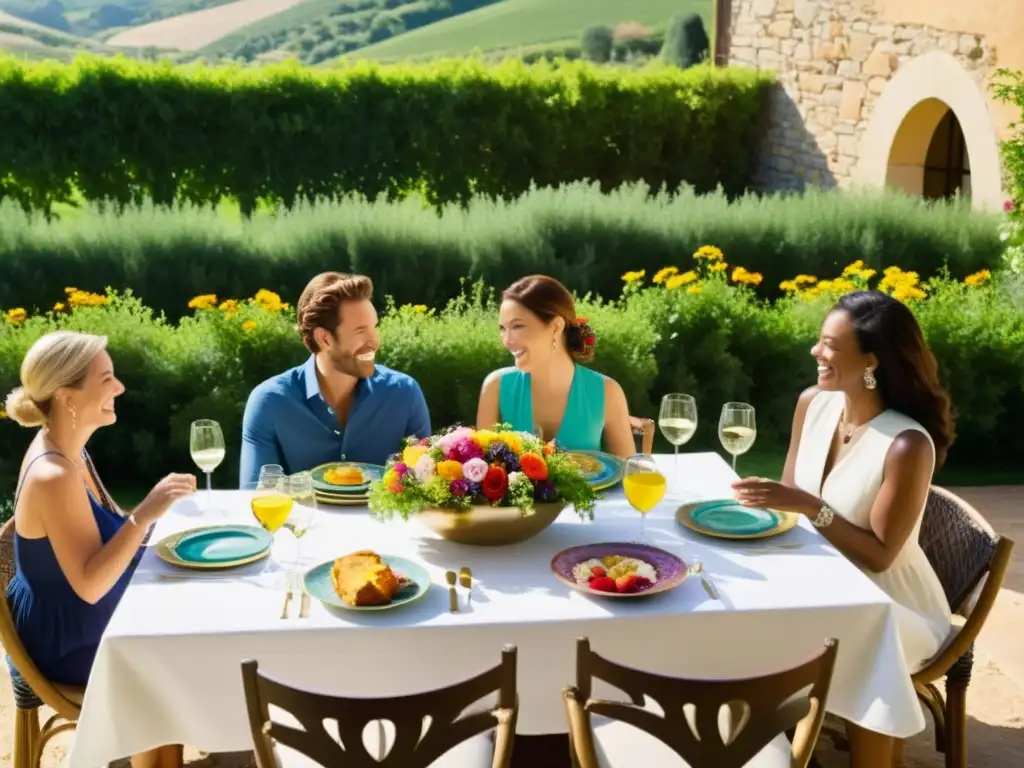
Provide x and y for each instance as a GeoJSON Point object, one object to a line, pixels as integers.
{"type": "Point", "coordinates": [922, 612]}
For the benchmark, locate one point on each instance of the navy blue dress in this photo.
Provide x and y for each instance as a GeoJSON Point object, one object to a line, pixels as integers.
{"type": "Point", "coordinates": [60, 631]}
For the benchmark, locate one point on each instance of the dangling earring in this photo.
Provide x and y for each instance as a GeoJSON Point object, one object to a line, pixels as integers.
{"type": "Point", "coordinates": [553, 343]}
{"type": "Point", "coordinates": [74, 416]}
{"type": "Point", "coordinates": [869, 379]}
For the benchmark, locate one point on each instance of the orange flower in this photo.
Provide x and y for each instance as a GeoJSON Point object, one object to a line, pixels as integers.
{"type": "Point", "coordinates": [450, 470]}
{"type": "Point", "coordinates": [549, 448]}
{"type": "Point", "coordinates": [533, 466]}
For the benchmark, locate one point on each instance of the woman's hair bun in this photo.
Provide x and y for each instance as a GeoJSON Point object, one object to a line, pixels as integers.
{"type": "Point", "coordinates": [580, 339]}
{"type": "Point", "coordinates": [21, 408]}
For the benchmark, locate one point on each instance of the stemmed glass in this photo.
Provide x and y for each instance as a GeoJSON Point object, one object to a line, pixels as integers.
{"type": "Point", "coordinates": [270, 505]}
{"type": "Point", "coordinates": [271, 473]}
{"type": "Point", "coordinates": [644, 485]}
{"type": "Point", "coordinates": [737, 429]}
{"type": "Point", "coordinates": [677, 420]}
{"type": "Point", "coordinates": [299, 488]}
{"type": "Point", "coordinates": [206, 444]}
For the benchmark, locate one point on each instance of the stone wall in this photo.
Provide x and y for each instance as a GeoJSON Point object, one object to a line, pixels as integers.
{"type": "Point", "coordinates": [833, 59]}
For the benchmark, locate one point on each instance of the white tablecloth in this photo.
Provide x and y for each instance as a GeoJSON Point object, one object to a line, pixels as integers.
{"type": "Point", "coordinates": [168, 669]}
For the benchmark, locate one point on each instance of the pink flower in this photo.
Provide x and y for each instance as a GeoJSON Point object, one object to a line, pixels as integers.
{"type": "Point", "coordinates": [1008, 206]}
{"type": "Point", "coordinates": [401, 468]}
{"type": "Point", "coordinates": [425, 467]}
{"type": "Point", "coordinates": [475, 470]}
{"type": "Point", "coordinates": [464, 450]}
{"type": "Point", "coordinates": [448, 441]}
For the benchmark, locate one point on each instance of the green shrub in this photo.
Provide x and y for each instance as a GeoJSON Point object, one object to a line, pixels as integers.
{"type": "Point", "coordinates": [123, 131]}
{"type": "Point", "coordinates": [686, 42]}
{"type": "Point", "coordinates": [576, 233]}
{"type": "Point", "coordinates": [709, 337]}
{"type": "Point", "coordinates": [596, 44]}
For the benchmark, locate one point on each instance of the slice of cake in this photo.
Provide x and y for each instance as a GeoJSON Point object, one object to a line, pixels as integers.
{"type": "Point", "coordinates": [363, 578]}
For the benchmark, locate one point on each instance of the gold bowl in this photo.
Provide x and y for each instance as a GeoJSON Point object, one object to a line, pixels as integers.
{"type": "Point", "coordinates": [487, 526]}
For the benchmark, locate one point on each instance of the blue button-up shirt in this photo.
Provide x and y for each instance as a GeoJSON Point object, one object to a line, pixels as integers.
{"type": "Point", "coordinates": [288, 422]}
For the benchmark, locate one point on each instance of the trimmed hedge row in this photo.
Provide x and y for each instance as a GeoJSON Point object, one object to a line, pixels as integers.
{"type": "Point", "coordinates": [125, 131]}
{"type": "Point", "coordinates": [577, 233]}
{"type": "Point", "coordinates": [708, 337]}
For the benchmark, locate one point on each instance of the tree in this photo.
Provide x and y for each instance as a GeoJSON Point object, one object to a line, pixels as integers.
{"type": "Point", "coordinates": [596, 44]}
{"type": "Point", "coordinates": [686, 42]}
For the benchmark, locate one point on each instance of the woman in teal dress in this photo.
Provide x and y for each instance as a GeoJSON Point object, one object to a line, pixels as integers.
{"type": "Point", "coordinates": [547, 391]}
{"type": "Point", "coordinates": [75, 550]}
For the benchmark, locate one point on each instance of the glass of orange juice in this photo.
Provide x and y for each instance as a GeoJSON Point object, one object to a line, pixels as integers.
{"type": "Point", "coordinates": [270, 504]}
{"type": "Point", "coordinates": [644, 485]}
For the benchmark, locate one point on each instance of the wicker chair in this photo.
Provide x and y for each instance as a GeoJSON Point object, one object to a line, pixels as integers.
{"type": "Point", "coordinates": [31, 689]}
{"type": "Point", "coordinates": [965, 553]}
{"type": "Point", "coordinates": [645, 428]}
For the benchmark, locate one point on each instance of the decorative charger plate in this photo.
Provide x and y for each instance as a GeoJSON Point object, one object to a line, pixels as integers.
{"type": "Point", "coordinates": [317, 582]}
{"type": "Point", "coordinates": [601, 470]}
{"type": "Point", "coordinates": [370, 472]}
{"type": "Point", "coordinates": [215, 546]}
{"type": "Point", "coordinates": [669, 569]}
{"type": "Point", "coordinates": [728, 519]}
{"type": "Point", "coordinates": [342, 500]}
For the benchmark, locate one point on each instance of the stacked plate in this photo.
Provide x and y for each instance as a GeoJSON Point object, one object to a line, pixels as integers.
{"type": "Point", "coordinates": [728, 519]}
{"type": "Point", "coordinates": [601, 470]}
{"type": "Point", "coordinates": [344, 495]}
{"type": "Point", "coordinates": [215, 546]}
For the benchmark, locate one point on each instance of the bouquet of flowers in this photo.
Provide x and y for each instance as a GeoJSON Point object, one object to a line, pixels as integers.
{"type": "Point", "coordinates": [463, 467]}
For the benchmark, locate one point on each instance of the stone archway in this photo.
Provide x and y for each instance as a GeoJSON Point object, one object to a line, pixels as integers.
{"type": "Point", "coordinates": [933, 105]}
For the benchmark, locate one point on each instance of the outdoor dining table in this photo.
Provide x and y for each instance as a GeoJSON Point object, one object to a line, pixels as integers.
{"type": "Point", "coordinates": [168, 668]}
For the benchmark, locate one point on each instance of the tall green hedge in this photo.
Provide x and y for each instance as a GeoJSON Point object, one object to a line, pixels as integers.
{"type": "Point", "coordinates": [576, 233]}
{"type": "Point", "coordinates": [123, 131]}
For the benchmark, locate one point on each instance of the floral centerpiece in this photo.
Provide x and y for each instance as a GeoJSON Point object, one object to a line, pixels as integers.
{"type": "Point", "coordinates": [462, 469]}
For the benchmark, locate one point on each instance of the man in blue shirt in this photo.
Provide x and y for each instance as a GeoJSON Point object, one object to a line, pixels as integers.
{"type": "Point", "coordinates": [338, 403]}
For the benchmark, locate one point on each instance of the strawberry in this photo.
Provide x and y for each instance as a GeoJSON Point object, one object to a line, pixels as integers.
{"type": "Point", "coordinates": [630, 582]}
{"type": "Point", "coordinates": [602, 584]}
{"type": "Point", "coordinates": [597, 572]}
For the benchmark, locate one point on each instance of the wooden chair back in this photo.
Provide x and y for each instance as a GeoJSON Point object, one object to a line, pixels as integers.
{"type": "Point", "coordinates": [412, 747]}
{"type": "Point", "coordinates": [44, 689]}
{"type": "Point", "coordinates": [761, 707]}
{"type": "Point", "coordinates": [964, 550]}
{"type": "Point", "coordinates": [643, 428]}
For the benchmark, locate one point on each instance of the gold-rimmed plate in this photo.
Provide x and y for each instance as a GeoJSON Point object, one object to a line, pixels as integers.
{"type": "Point", "coordinates": [727, 519]}
{"type": "Point", "coordinates": [215, 547]}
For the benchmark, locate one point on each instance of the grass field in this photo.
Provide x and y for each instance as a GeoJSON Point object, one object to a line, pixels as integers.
{"type": "Point", "coordinates": [26, 38]}
{"type": "Point", "coordinates": [192, 31]}
{"type": "Point", "coordinates": [296, 15]}
{"type": "Point", "coordinates": [514, 23]}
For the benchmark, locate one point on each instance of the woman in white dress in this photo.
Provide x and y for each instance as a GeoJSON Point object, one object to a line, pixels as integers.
{"type": "Point", "coordinates": [864, 445]}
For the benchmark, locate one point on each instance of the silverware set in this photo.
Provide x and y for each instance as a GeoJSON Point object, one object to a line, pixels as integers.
{"type": "Point", "coordinates": [292, 587]}
{"type": "Point", "coordinates": [464, 578]}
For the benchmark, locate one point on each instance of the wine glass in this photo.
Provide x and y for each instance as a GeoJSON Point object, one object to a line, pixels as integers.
{"type": "Point", "coordinates": [677, 420]}
{"type": "Point", "coordinates": [737, 429]}
{"type": "Point", "coordinates": [206, 444]}
{"type": "Point", "coordinates": [644, 485]}
{"type": "Point", "coordinates": [271, 473]}
{"type": "Point", "coordinates": [270, 505]}
{"type": "Point", "coordinates": [299, 488]}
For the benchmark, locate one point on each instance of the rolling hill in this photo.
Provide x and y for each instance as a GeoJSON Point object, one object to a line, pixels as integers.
{"type": "Point", "coordinates": [513, 23]}
{"type": "Point", "coordinates": [192, 31]}
{"type": "Point", "coordinates": [27, 38]}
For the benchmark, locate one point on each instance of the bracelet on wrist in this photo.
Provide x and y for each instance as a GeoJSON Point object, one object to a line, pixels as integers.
{"type": "Point", "coordinates": [824, 517]}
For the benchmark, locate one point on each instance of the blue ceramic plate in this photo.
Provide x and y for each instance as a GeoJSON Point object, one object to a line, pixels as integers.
{"type": "Point", "coordinates": [601, 470]}
{"type": "Point", "coordinates": [317, 582]}
{"type": "Point", "coordinates": [370, 472]}
{"type": "Point", "coordinates": [730, 517]}
{"type": "Point", "coordinates": [222, 544]}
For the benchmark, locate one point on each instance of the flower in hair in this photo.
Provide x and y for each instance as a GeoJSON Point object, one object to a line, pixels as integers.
{"type": "Point", "coordinates": [586, 332]}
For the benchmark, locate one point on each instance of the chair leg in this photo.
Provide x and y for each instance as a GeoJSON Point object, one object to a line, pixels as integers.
{"type": "Point", "coordinates": [26, 737]}
{"type": "Point", "coordinates": [956, 724]}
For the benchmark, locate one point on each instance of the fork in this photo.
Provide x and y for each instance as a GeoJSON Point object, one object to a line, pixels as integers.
{"type": "Point", "coordinates": [287, 598]}
{"type": "Point", "coordinates": [698, 568]}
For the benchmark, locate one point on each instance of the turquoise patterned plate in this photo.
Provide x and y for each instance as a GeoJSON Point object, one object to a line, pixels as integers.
{"type": "Point", "coordinates": [601, 470]}
{"type": "Point", "coordinates": [729, 516]}
{"type": "Point", "coordinates": [317, 582]}
{"type": "Point", "coordinates": [370, 472]}
{"type": "Point", "coordinates": [221, 544]}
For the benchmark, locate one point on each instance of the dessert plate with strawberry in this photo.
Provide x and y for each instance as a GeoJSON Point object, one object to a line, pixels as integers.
{"type": "Point", "coordinates": [618, 569]}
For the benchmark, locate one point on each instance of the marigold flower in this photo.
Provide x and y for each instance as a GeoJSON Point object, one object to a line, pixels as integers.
{"type": "Point", "coordinates": [677, 281]}
{"type": "Point", "coordinates": [269, 300]}
{"type": "Point", "coordinates": [3, 413]}
{"type": "Point", "coordinates": [634, 277]}
{"type": "Point", "coordinates": [249, 326]}
{"type": "Point", "coordinates": [741, 275]}
{"type": "Point", "coordinates": [16, 315]}
{"type": "Point", "coordinates": [978, 277]}
{"type": "Point", "coordinates": [709, 252]}
{"type": "Point", "coordinates": [58, 307]}
{"type": "Point", "coordinates": [805, 279]}
{"type": "Point", "coordinates": [533, 466]}
{"type": "Point", "coordinates": [718, 266]}
{"type": "Point", "coordinates": [693, 289]}
{"type": "Point", "coordinates": [421, 308]}
{"type": "Point", "coordinates": [229, 307]}
{"type": "Point", "coordinates": [203, 301]}
{"type": "Point", "coordinates": [664, 274]}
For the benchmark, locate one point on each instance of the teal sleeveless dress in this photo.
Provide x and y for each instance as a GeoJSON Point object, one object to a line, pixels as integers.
{"type": "Point", "coordinates": [583, 423]}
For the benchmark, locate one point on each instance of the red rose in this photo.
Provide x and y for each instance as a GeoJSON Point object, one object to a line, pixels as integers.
{"type": "Point", "coordinates": [495, 483]}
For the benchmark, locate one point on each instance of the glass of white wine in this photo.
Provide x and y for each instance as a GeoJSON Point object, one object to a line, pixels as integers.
{"type": "Point", "coordinates": [299, 488]}
{"type": "Point", "coordinates": [737, 429]}
{"type": "Point", "coordinates": [644, 485]}
{"type": "Point", "coordinates": [271, 473]}
{"type": "Point", "coordinates": [677, 420]}
{"type": "Point", "coordinates": [206, 444]}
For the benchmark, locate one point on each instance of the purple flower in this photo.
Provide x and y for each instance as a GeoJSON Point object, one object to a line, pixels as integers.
{"type": "Point", "coordinates": [545, 491]}
{"type": "Point", "coordinates": [464, 450]}
{"type": "Point", "coordinates": [473, 489]}
{"type": "Point", "coordinates": [458, 487]}
{"type": "Point", "coordinates": [502, 454]}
